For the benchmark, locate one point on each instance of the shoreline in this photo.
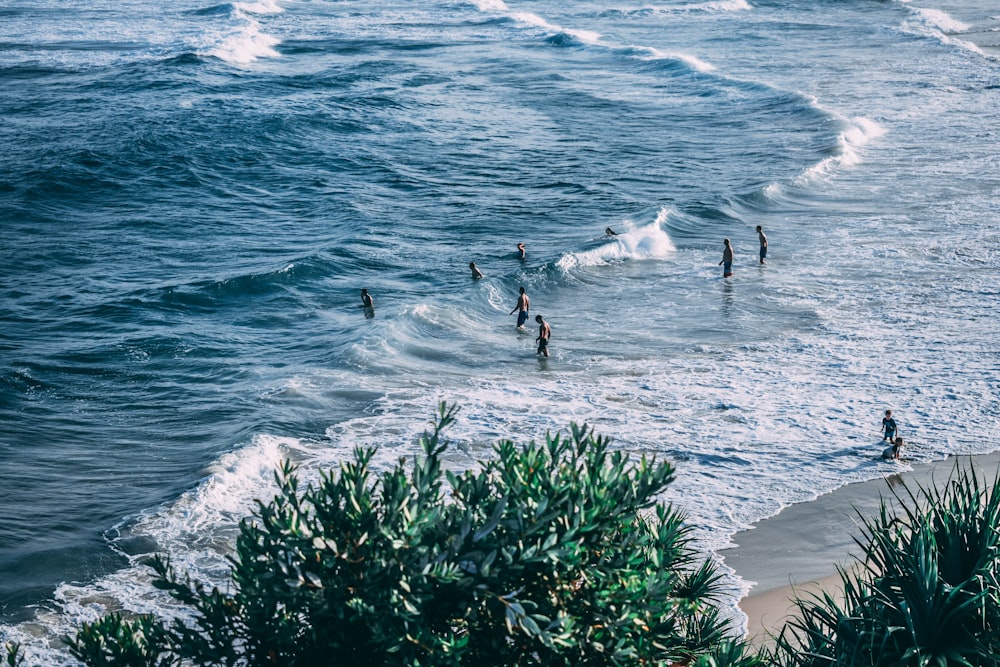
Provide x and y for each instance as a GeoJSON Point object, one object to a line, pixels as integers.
{"type": "Point", "coordinates": [798, 550]}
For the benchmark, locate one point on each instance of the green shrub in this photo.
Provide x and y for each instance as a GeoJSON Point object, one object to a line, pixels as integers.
{"type": "Point", "coordinates": [925, 592]}
{"type": "Point", "coordinates": [553, 554]}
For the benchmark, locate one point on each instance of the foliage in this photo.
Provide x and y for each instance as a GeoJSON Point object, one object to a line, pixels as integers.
{"type": "Point", "coordinates": [553, 554]}
{"type": "Point", "coordinates": [10, 654]}
{"type": "Point", "coordinates": [926, 592]}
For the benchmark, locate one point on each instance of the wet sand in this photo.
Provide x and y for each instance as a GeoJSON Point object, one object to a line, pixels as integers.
{"type": "Point", "coordinates": [797, 550]}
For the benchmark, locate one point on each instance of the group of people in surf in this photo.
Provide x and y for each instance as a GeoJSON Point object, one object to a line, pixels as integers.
{"type": "Point", "coordinates": [523, 308]}
{"type": "Point", "coordinates": [523, 304]}
{"type": "Point", "coordinates": [727, 253]}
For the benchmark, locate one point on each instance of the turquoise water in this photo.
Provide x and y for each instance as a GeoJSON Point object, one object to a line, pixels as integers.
{"type": "Point", "coordinates": [192, 196]}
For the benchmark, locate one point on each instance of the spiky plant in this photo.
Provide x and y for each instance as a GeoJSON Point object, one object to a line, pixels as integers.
{"type": "Point", "coordinates": [925, 592]}
{"type": "Point", "coordinates": [546, 555]}
{"type": "Point", "coordinates": [10, 654]}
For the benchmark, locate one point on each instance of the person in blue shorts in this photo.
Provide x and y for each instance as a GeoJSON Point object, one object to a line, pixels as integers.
{"type": "Point", "coordinates": [522, 308]}
{"type": "Point", "coordinates": [763, 243]}
{"type": "Point", "coordinates": [727, 259]}
{"type": "Point", "coordinates": [888, 427]}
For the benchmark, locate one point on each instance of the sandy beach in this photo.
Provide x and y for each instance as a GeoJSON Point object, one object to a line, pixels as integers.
{"type": "Point", "coordinates": [798, 549]}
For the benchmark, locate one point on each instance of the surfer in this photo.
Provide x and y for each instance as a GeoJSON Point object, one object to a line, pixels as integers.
{"type": "Point", "coordinates": [892, 452]}
{"type": "Point", "coordinates": [522, 308]}
{"type": "Point", "coordinates": [610, 232]}
{"type": "Point", "coordinates": [544, 332]}
{"type": "Point", "coordinates": [476, 273]}
{"type": "Point", "coordinates": [888, 427]}
{"type": "Point", "coordinates": [367, 303]}
{"type": "Point", "coordinates": [763, 243]}
{"type": "Point", "coordinates": [727, 259]}
{"type": "Point", "coordinates": [521, 251]}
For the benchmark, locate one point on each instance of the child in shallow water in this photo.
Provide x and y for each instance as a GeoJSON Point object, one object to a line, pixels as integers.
{"type": "Point", "coordinates": [892, 452]}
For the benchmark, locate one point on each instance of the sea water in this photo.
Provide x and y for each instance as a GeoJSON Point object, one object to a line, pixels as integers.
{"type": "Point", "coordinates": [192, 196]}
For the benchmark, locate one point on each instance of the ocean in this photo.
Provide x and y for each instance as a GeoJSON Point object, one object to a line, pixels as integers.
{"type": "Point", "coordinates": [192, 196]}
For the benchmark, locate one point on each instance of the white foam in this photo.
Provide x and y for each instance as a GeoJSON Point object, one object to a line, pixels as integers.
{"type": "Point", "coordinates": [244, 45]}
{"type": "Point", "coordinates": [714, 6]}
{"type": "Point", "coordinates": [717, 6]}
{"type": "Point", "coordinates": [940, 20]}
{"type": "Point", "coordinates": [635, 243]}
{"type": "Point", "coordinates": [860, 133]}
{"type": "Point", "coordinates": [261, 7]}
{"type": "Point", "coordinates": [692, 62]}
{"type": "Point", "coordinates": [941, 26]}
{"type": "Point", "coordinates": [533, 20]}
{"type": "Point", "coordinates": [490, 5]}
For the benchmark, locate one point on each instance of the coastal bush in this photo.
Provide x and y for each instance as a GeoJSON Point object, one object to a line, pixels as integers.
{"type": "Point", "coordinates": [925, 591]}
{"type": "Point", "coordinates": [553, 554]}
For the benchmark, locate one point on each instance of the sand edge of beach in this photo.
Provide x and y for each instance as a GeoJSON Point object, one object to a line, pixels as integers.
{"type": "Point", "coordinates": [797, 551]}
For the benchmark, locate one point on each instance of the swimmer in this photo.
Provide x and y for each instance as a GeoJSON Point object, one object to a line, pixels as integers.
{"type": "Point", "coordinates": [367, 303]}
{"type": "Point", "coordinates": [476, 273]}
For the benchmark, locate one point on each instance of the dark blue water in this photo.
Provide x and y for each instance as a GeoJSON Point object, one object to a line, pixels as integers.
{"type": "Point", "coordinates": [192, 197]}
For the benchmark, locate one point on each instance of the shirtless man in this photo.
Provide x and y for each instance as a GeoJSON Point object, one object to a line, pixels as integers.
{"type": "Point", "coordinates": [727, 259]}
{"type": "Point", "coordinates": [476, 273]}
{"type": "Point", "coordinates": [522, 308]}
{"type": "Point", "coordinates": [763, 244]}
{"type": "Point", "coordinates": [544, 333]}
{"type": "Point", "coordinates": [521, 251]}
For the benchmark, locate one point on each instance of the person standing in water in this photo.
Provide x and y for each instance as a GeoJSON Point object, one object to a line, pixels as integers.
{"type": "Point", "coordinates": [544, 333]}
{"type": "Point", "coordinates": [521, 251]}
{"type": "Point", "coordinates": [727, 259]}
{"type": "Point", "coordinates": [888, 427]}
{"type": "Point", "coordinates": [476, 273]}
{"type": "Point", "coordinates": [763, 243]}
{"type": "Point", "coordinates": [522, 308]}
{"type": "Point", "coordinates": [367, 303]}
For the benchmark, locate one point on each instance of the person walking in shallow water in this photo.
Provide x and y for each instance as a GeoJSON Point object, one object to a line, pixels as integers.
{"type": "Point", "coordinates": [521, 308]}
{"type": "Point", "coordinates": [763, 243]}
{"type": "Point", "coordinates": [888, 427]}
{"type": "Point", "coordinates": [544, 333]}
{"type": "Point", "coordinates": [727, 259]}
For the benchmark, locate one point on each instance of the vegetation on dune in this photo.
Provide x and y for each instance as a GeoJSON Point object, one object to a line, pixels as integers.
{"type": "Point", "coordinates": [553, 554]}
